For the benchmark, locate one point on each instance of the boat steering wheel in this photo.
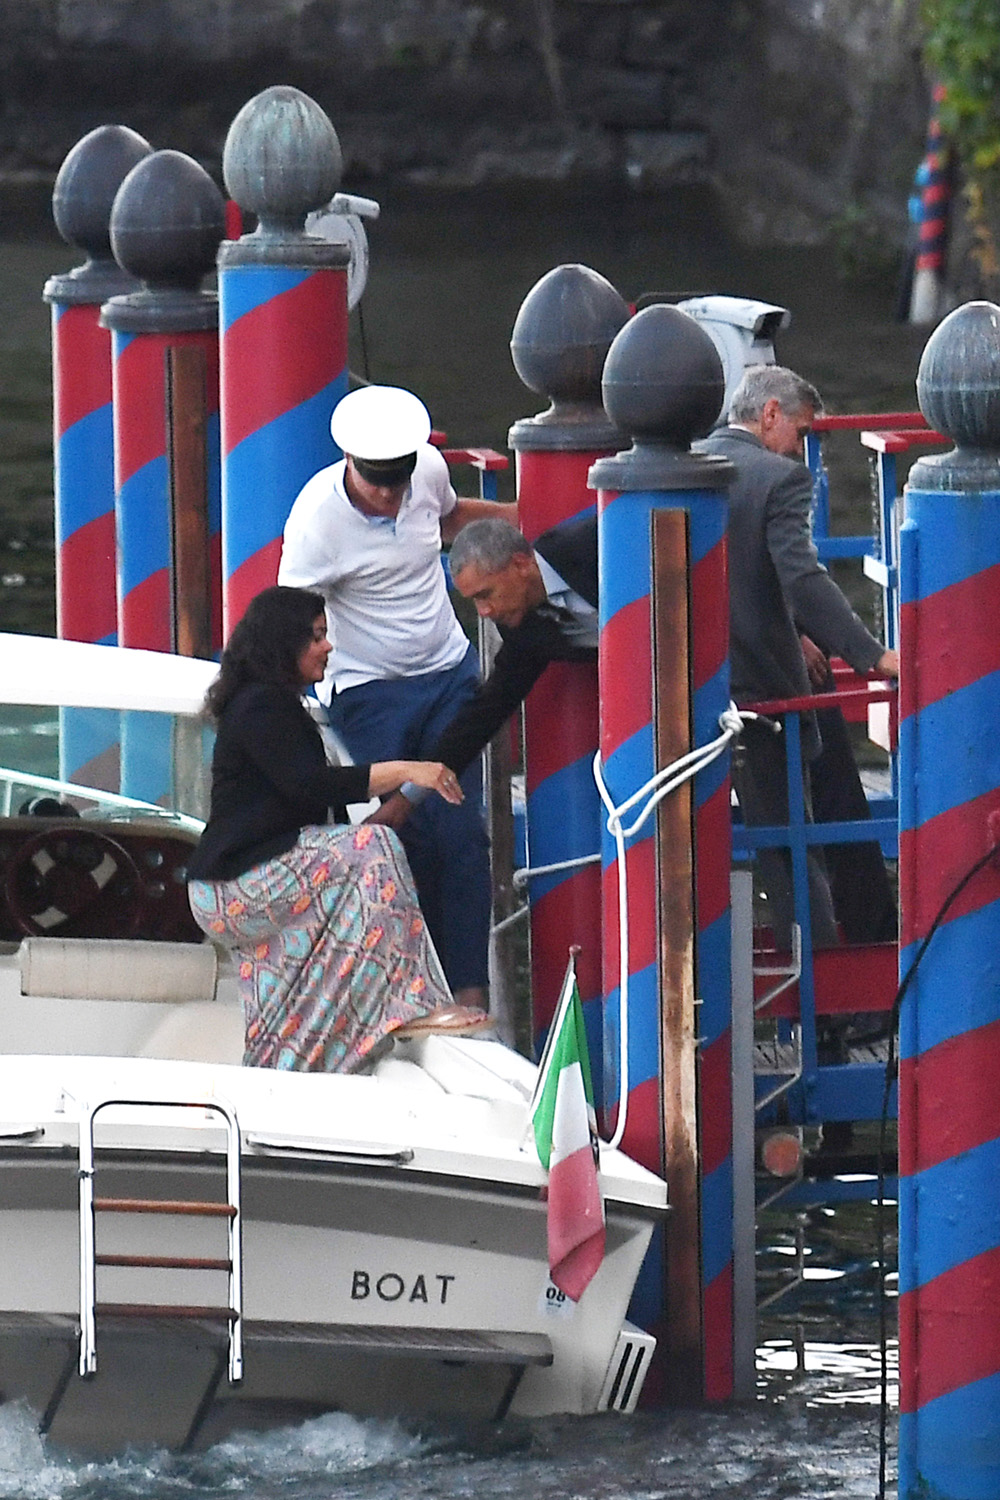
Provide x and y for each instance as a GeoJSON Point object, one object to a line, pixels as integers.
{"type": "Point", "coordinates": [73, 882]}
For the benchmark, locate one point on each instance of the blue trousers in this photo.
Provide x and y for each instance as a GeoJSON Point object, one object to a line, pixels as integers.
{"type": "Point", "coordinates": [447, 847]}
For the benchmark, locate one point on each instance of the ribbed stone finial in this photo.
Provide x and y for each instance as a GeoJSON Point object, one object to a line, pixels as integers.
{"type": "Point", "coordinates": [85, 189]}
{"type": "Point", "coordinates": [958, 388]}
{"type": "Point", "coordinates": [282, 159]}
{"type": "Point", "coordinates": [663, 383]}
{"type": "Point", "coordinates": [559, 343]}
{"type": "Point", "coordinates": [166, 224]}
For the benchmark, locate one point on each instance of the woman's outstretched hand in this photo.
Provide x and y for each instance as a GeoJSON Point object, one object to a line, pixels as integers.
{"type": "Point", "coordinates": [436, 777]}
{"type": "Point", "coordinates": [388, 776]}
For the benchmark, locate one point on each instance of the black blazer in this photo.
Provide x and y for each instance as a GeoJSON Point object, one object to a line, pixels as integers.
{"type": "Point", "coordinates": [527, 650]}
{"type": "Point", "coordinates": [270, 779]}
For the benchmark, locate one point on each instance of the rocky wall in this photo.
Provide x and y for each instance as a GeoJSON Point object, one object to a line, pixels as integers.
{"type": "Point", "coordinates": [800, 111]}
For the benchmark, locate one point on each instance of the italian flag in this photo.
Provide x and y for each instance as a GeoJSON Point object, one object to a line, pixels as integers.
{"type": "Point", "coordinates": [565, 1127]}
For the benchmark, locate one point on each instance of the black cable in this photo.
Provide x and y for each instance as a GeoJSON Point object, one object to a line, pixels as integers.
{"type": "Point", "coordinates": [891, 1072]}
{"type": "Point", "coordinates": [364, 342]}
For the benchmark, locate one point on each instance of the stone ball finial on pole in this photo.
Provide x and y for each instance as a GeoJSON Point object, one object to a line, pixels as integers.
{"type": "Point", "coordinates": [663, 666]}
{"type": "Point", "coordinates": [167, 220]}
{"type": "Point", "coordinates": [283, 313]}
{"type": "Point", "coordinates": [559, 342]}
{"type": "Point", "coordinates": [84, 193]}
{"type": "Point", "coordinates": [663, 383]}
{"type": "Point", "coordinates": [282, 160]}
{"type": "Point", "coordinates": [958, 389]}
{"type": "Point", "coordinates": [949, 764]}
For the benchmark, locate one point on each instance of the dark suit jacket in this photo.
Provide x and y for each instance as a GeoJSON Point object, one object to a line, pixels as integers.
{"type": "Point", "coordinates": [527, 650]}
{"type": "Point", "coordinates": [777, 585]}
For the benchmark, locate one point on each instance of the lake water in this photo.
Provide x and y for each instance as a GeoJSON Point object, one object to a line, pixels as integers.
{"type": "Point", "coordinates": [815, 1437]}
{"type": "Point", "coordinates": [448, 275]}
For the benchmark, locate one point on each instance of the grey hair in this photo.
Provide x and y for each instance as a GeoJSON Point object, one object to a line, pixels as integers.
{"type": "Point", "coordinates": [763, 383]}
{"type": "Point", "coordinates": [489, 545]}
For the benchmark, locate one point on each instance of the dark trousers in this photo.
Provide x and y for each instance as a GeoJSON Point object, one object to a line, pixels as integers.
{"type": "Point", "coordinates": [863, 897]}
{"type": "Point", "coordinates": [447, 846]}
{"type": "Point", "coordinates": [848, 883]}
{"type": "Point", "coordinates": [760, 779]}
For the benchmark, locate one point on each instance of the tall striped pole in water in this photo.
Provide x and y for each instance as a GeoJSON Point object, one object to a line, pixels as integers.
{"type": "Point", "coordinates": [166, 224]}
{"type": "Point", "coordinates": [949, 1102]}
{"type": "Point", "coordinates": [83, 444]}
{"type": "Point", "coordinates": [935, 182]}
{"type": "Point", "coordinates": [559, 343]}
{"type": "Point", "coordinates": [664, 682]}
{"type": "Point", "coordinates": [283, 315]}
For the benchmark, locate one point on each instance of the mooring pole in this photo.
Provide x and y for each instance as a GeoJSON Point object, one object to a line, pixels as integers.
{"type": "Point", "coordinates": [949, 752]}
{"type": "Point", "coordinates": [166, 224]}
{"type": "Point", "coordinates": [83, 443]}
{"type": "Point", "coordinates": [283, 307]}
{"type": "Point", "coordinates": [559, 343]}
{"type": "Point", "coordinates": [664, 681]}
{"type": "Point", "coordinates": [85, 189]}
{"type": "Point", "coordinates": [193, 590]}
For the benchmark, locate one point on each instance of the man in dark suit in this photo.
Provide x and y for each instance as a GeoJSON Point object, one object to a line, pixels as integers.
{"type": "Point", "coordinates": [779, 590]}
{"type": "Point", "coordinates": [543, 599]}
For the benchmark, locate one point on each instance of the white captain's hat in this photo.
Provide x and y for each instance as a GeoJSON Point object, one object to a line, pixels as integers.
{"type": "Point", "coordinates": [380, 422]}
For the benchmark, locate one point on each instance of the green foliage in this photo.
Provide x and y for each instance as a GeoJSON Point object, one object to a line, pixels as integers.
{"type": "Point", "coordinates": [962, 47]}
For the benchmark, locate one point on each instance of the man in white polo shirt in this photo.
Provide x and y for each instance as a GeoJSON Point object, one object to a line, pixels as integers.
{"type": "Point", "coordinates": [367, 534]}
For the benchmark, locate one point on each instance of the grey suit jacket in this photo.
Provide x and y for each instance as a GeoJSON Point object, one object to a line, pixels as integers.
{"type": "Point", "coordinates": [777, 585]}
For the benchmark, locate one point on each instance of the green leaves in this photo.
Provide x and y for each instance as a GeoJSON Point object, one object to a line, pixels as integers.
{"type": "Point", "coordinates": [962, 50]}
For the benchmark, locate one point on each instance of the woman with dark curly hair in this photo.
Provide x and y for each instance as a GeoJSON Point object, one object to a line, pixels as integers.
{"type": "Point", "coordinates": [334, 954]}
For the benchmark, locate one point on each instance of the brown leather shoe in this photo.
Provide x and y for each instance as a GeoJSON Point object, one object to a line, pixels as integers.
{"type": "Point", "coordinates": [450, 1020]}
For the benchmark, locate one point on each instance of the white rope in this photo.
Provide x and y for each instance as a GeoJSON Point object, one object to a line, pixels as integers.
{"type": "Point", "coordinates": [531, 872]}
{"type": "Point", "coordinates": [665, 781]}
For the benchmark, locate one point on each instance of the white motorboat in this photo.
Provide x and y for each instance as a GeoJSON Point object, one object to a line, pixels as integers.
{"type": "Point", "coordinates": [188, 1246]}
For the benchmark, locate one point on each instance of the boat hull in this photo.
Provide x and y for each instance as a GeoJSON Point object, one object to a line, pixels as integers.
{"type": "Point", "coordinates": [375, 1290]}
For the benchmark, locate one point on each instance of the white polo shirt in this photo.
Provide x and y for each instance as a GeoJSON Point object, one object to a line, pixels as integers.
{"type": "Point", "coordinates": [387, 602]}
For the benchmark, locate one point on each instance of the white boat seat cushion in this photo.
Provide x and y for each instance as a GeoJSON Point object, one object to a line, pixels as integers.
{"type": "Point", "coordinates": [117, 969]}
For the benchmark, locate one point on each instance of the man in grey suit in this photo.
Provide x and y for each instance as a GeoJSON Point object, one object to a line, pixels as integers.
{"type": "Point", "coordinates": [779, 590]}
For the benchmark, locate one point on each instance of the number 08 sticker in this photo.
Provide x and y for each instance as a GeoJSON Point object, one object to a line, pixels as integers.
{"type": "Point", "coordinates": [554, 1303]}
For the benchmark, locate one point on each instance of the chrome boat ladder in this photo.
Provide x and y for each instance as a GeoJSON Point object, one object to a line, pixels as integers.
{"type": "Point", "coordinates": [90, 1259]}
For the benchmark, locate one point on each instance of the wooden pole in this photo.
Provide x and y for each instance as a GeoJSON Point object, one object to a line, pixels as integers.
{"type": "Point", "coordinates": [672, 729]}
{"type": "Point", "coordinates": [187, 458]}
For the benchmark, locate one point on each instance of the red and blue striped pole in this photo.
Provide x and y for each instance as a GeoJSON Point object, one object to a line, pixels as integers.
{"type": "Point", "coordinates": [283, 314]}
{"type": "Point", "coordinates": [84, 192]}
{"type": "Point", "coordinates": [141, 466]}
{"type": "Point", "coordinates": [559, 343]}
{"type": "Point", "coordinates": [934, 180]}
{"type": "Point", "coordinates": [664, 682]}
{"type": "Point", "coordinates": [84, 483]}
{"type": "Point", "coordinates": [166, 224]}
{"type": "Point", "coordinates": [949, 1102]}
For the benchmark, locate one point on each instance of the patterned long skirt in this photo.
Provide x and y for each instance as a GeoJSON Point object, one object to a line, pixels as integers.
{"type": "Point", "coordinates": [333, 950]}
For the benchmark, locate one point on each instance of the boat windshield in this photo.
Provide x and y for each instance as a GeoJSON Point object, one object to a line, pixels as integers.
{"type": "Point", "coordinates": [107, 764]}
